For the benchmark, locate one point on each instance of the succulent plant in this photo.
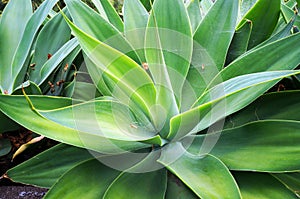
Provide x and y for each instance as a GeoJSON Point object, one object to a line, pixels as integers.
{"type": "Point", "coordinates": [171, 121]}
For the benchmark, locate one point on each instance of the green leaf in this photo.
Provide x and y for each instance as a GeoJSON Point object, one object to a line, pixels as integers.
{"type": "Point", "coordinates": [108, 12]}
{"type": "Point", "coordinates": [51, 38]}
{"type": "Point", "coordinates": [262, 186]}
{"type": "Point", "coordinates": [135, 23]}
{"type": "Point", "coordinates": [214, 34]}
{"type": "Point", "coordinates": [12, 27]}
{"type": "Point", "coordinates": [47, 167]}
{"type": "Point", "coordinates": [288, 14]}
{"type": "Point", "coordinates": [207, 176]}
{"type": "Point", "coordinates": [245, 6]}
{"type": "Point", "coordinates": [286, 104]}
{"type": "Point", "coordinates": [290, 180]}
{"type": "Point", "coordinates": [28, 117]}
{"type": "Point", "coordinates": [169, 61]}
{"type": "Point", "coordinates": [72, 46]}
{"type": "Point", "coordinates": [122, 81]}
{"type": "Point", "coordinates": [141, 185]}
{"type": "Point", "coordinates": [211, 42]}
{"type": "Point", "coordinates": [106, 118]}
{"type": "Point", "coordinates": [6, 124]}
{"type": "Point", "coordinates": [97, 178]}
{"type": "Point", "coordinates": [194, 12]}
{"type": "Point", "coordinates": [264, 17]}
{"type": "Point", "coordinates": [275, 57]}
{"type": "Point", "coordinates": [5, 146]}
{"type": "Point", "coordinates": [266, 146]}
{"type": "Point", "coordinates": [239, 43]}
{"type": "Point", "coordinates": [32, 28]}
{"type": "Point", "coordinates": [223, 100]}
{"type": "Point", "coordinates": [177, 190]}
{"type": "Point", "coordinates": [89, 21]}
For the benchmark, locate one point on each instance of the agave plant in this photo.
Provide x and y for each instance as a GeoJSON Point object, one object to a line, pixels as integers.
{"type": "Point", "coordinates": [27, 41]}
{"type": "Point", "coordinates": [171, 122]}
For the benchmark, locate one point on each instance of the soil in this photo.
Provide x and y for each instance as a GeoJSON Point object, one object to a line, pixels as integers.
{"type": "Point", "coordinates": [9, 189]}
{"type": "Point", "coordinates": [21, 192]}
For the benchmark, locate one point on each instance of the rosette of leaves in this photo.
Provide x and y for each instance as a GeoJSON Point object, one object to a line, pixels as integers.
{"type": "Point", "coordinates": [34, 49]}
{"type": "Point", "coordinates": [158, 131]}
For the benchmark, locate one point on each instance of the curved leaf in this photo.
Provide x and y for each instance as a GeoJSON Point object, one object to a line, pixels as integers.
{"type": "Point", "coordinates": [211, 42]}
{"type": "Point", "coordinates": [106, 118]}
{"type": "Point", "coordinates": [119, 72]}
{"type": "Point", "coordinates": [264, 17]}
{"type": "Point", "coordinates": [135, 23]}
{"type": "Point", "coordinates": [25, 45]}
{"type": "Point", "coordinates": [141, 185]}
{"type": "Point", "coordinates": [51, 38]}
{"type": "Point", "coordinates": [5, 146]}
{"type": "Point", "coordinates": [109, 13]}
{"type": "Point", "coordinates": [207, 176]}
{"type": "Point", "coordinates": [28, 117]}
{"type": "Point", "coordinates": [239, 43]}
{"type": "Point", "coordinates": [275, 57]}
{"type": "Point", "coordinates": [267, 146]}
{"type": "Point", "coordinates": [89, 21]}
{"type": "Point", "coordinates": [47, 167]}
{"type": "Point", "coordinates": [168, 61]}
{"type": "Point", "coordinates": [286, 104]}
{"type": "Point", "coordinates": [262, 186]}
{"type": "Point", "coordinates": [177, 190]}
{"type": "Point", "coordinates": [12, 27]}
{"type": "Point", "coordinates": [224, 99]}
{"type": "Point", "coordinates": [98, 176]}
{"type": "Point", "coordinates": [290, 180]}
{"type": "Point", "coordinates": [194, 12]}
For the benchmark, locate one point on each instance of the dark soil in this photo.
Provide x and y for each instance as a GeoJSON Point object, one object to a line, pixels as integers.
{"type": "Point", "coordinates": [9, 189]}
{"type": "Point", "coordinates": [22, 192]}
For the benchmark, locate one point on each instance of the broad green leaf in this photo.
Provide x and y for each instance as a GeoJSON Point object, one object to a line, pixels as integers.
{"type": "Point", "coordinates": [177, 190]}
{"type": "Point", "coordinates": [27, 116]}
{"type": "Point", "coordinates": [135, 23]}
{"type": "Point", "coordinates": [51, 38]}
{"type": "Point", "coordinates": [214, 34]}
{"type": "Point", "coordinates": [32, 28]}
{"type": "Point", "coordinates": [141, 185]}
{"type": "Point", "coordinates": [264, 17]}
{"type": "Point", "coordinates": [211, 42]}
{"type": "Point", "coordinates": [168, 61]}
{"type": "Point", "coordinates": [267, 146]}
{"type": "Point", "coordinates": [275, 57]}
{"type": "Point", "coordinates": [108, 12]}
{"type": "Point", "coordinates": [286, 104]}
{"type": "Point", "coordinates": [12, 26]}
{"type": "Point", "coordinates": [91, 179]}
{"type": "Point", "coordinates": [206, 175]}
{"type": "Point", "coordinates": [290, 180]}
{"type": "Point", "coordinates": [106, 118]}
{"type": "Point", "coordinates": [5, 146]}
{"type": "Point", "coordinates": [89, 21]}
{"type": "Point", "coordinates": [47, 167]}
{"type": "Point", "coordinates": [194, 12]}
{"type": "Point", "coordinates": [262, 186]}
{"type": "Point", "coordinates": [6, 124]}
{"type": "Point", "coordinates": [239, 43]}
{"type": "Point", "coordinates": [223, 100]}
{"type": "Point", "coordinates": [127, 83]}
